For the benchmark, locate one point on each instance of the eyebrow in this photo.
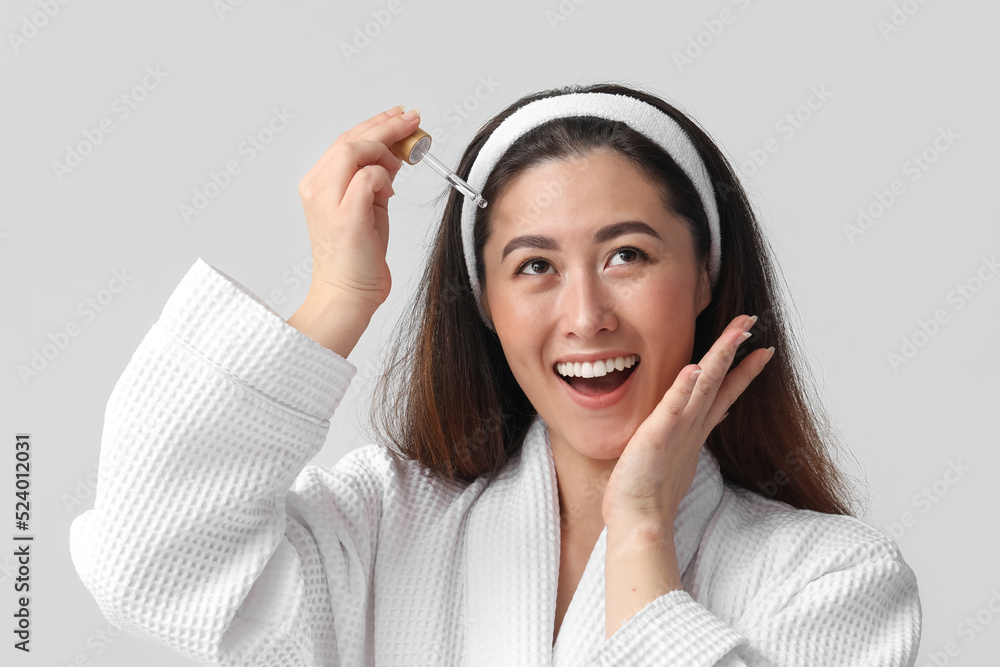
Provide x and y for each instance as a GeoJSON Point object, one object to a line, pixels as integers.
{"type": "Point", "coordinates": [601, 235]}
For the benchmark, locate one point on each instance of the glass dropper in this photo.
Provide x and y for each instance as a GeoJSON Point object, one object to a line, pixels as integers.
{"type": "Point", "coordinates": [414, 149]}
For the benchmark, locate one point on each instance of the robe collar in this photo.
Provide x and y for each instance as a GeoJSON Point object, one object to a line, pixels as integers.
{"type": "Point", "coordinates": [513, 543]}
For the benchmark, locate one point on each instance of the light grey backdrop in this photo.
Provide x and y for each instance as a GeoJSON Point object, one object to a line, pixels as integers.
{"type": "Point", "coordinates": [831, 110]}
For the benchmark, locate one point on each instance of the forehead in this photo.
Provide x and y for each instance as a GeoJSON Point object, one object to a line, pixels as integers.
{"type": "Point", "coordinates": [566, 195]}
{"type": "Point", "coordinates": [567, 187]}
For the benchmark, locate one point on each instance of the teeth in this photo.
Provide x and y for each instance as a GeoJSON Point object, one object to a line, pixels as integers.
{"type": "Point", "coordinates": [589, 369]}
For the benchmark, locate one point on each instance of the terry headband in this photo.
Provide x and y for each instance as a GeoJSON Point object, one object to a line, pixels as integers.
{"type": "Point", "coordinates": [638, 115]}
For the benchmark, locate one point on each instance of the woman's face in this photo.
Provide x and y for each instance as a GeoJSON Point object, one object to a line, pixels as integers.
{"type": "Point", "coordinates": [566, 278]}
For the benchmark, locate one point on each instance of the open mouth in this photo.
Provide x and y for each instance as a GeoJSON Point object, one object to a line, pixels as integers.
{"type": "Point", "coordinates": [598, 386]}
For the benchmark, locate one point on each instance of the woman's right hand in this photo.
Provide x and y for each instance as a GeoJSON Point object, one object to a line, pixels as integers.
{"type": "Point", "coordinates": [345, 197]}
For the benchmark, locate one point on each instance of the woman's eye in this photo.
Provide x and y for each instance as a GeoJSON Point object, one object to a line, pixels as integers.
{"type": "Point", "coordinates": [635, 251]}
{"type": "Point", "coordinates": [534, 264]}
{"type": "Point", "coordinates": [639, 255]}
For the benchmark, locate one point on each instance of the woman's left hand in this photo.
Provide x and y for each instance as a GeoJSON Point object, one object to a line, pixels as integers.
{"type": "Point", "coordinates": [656, 469]}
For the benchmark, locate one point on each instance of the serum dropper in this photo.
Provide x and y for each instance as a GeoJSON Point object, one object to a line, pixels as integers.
{"type": "Point", "coordinates": [414, 149]}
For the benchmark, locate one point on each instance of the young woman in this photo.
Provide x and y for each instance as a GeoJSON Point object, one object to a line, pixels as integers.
{"type": "Point", "coordinates": [582, 463]}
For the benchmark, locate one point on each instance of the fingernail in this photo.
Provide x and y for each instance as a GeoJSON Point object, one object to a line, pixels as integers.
{"type": "Point", "coordinates": [412, 113]}
{"type": "Point", "coordinates": [397, 109]}
{"type": "Point", "coordinates": [749, 323]}
{"type": "Point", "coordinates": [770, 353]}
{"type": "Point", "coordinates": [695, 374]}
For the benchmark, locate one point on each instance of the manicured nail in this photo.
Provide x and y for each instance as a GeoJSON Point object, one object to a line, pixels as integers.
{"type": "Point", "coordinates": [396, 110]}
{"type": "Point", "coordinates": [770, 353]}
{"type": "Point", "coordinates": [695, 374]}
{"type": "Point", "coordinates": [412, 113]}
{"type": "Point", "coordinates": [749, 323]}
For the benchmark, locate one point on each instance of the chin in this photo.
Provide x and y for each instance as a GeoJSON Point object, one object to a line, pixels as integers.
{"type": "Point", "coordinates": [592, 445]}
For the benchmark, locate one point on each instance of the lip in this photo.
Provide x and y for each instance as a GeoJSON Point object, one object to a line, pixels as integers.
{"type": "Point", "coordinates": [599, 402]}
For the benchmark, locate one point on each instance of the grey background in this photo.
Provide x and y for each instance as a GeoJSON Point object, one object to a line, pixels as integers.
{"type": "Point", "coordinates": [62, 237]}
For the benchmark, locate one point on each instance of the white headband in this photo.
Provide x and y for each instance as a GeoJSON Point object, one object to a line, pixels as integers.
{"type": "Point", "coordinates": [640, 116]}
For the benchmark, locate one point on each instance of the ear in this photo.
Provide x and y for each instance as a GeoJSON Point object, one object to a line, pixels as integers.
{"type": "Point", "coordinates": [704, 289]}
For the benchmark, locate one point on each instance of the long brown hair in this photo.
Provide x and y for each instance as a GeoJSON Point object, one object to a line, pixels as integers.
{"type": "Point", "coordinates": [449, 401]}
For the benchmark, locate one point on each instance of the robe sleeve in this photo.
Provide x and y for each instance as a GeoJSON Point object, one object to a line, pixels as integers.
{"type": "Point", "coordinates": [857, 609]}
{"type": "Point", "coordinates": [200, 535]}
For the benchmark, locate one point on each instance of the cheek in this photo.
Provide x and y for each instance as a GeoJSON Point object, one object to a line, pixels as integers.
{"type": "Point", "coordinates": [513, 311]}
{"type": "Point", "coordinates": [661, 306]}
{"type": "Point", "coordinates": [668, 317]}
{"type": "Point", "coordinates": [674, 295]}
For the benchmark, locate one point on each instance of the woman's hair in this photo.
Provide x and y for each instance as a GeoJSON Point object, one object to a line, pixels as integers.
{"type": "Point", "coordinates": [449, 401]}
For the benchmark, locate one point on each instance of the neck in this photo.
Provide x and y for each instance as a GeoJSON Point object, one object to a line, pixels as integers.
{"type": "Point", "coordinates": [581, 482]}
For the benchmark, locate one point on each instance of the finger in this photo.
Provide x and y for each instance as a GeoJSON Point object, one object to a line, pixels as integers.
{"type": "Point", "coordinates": [672, 404]}
{"type": "Point", "coordinates": [736, 383]}
{"type": "Point", "coordinates": [715, 365]}
{"type": "Point", "coordinates": [338, 174]}
{"type": "Point", "coordinates": [377, 119]}
{"type": "Point", "coordinates": [388, 133]}
{"type": "Point", "coordinates": [364, 153]}
{"type": "Point", "coordinates": [346, 142]}
{"type": "Point", "coordinates": [373, 147]}
{"type": "Point", "coordinates": [370, 183]}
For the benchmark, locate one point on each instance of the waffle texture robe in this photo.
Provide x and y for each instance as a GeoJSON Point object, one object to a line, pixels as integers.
{"type": "Point", "coordinates": [212, 534]}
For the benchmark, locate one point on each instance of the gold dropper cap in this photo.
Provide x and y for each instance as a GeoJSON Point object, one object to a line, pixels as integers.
{"type": "Point", "coordinates": [413, 148]}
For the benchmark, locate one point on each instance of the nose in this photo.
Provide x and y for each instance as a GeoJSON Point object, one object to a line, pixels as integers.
{"type": "Point", "coordinates": [587, 306]}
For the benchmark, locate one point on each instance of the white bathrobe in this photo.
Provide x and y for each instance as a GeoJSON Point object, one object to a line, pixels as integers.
{"type": "Point", "coordinates": [211, 533]}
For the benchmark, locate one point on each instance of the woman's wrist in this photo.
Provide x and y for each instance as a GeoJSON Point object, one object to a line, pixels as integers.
{"type": "Point", "coordinates": [640, 566]}
{"type": "Point", "coordinates": [335, 321]}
